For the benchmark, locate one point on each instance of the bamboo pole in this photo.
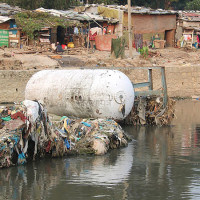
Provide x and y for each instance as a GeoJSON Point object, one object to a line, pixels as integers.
{"type": "Point", "coordinates": [129, 29]}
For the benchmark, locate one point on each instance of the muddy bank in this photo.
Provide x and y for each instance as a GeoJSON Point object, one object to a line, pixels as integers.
{"type": "Point", "coordinates": [16, 59]}
{"type": "Point", "coordinates": [182, 69]}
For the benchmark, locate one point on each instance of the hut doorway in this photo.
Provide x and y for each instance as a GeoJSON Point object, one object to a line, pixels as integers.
{"type": "Point", "coordinates": [169, 37]}
{"type": "Point", "coordinates": [60, 34]}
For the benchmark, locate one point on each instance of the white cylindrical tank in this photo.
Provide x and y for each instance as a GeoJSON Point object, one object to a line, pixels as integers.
{"type": "Point", "coordinates": [83, 93]}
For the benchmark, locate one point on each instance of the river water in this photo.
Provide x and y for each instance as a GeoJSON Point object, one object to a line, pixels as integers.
{"type": "Point", "coordinates": [160, 163]}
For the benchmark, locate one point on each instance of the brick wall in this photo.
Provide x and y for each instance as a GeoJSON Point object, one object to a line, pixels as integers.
{"type": "Point", "coordinates": [151, 23]}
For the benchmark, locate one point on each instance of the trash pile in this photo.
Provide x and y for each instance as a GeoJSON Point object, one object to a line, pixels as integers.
{"type": "Point", "coordinates": [150, 111]}
{"type": "Point", "coordinates": [91, 136]}
{"type": "Point", "coordinates": [27, 133]}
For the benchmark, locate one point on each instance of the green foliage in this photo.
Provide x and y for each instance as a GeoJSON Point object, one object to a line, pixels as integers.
{"type": "Point", "coordinates": [193, 5]}
{"type": "Point", "coordinates": [32, 22]}
{"type": "Point", "coordinates": [144, 51]}
{"type": "Point", "coordinates": [165, 4]}
{"type": "Point", "coordinates": [106, 2]}
{"type": "Point", "coordinates": [65, 4]}
{"type": "Point", "coordinates": [33, 4]}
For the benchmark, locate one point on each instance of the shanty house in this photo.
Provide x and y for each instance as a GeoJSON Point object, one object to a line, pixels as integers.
{"type": "Point", "coordinates": [82, 22]}
{"type": "Point", "coordinates": [188, 29]}
{"type": "Point", "coordinates": [145, 21]}
{"type": "Point", "coordinates": [9, 33]}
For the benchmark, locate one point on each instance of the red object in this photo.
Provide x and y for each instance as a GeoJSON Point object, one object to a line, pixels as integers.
{"type": "Point", "coordinates": [191, 14]}
{"type": "Point", "coordinates": [14, 124]}
{"type": "Point", "coordinates": [103, 42]}
{"type": "Point", "coordinates": [20, 115]}
{"type": "Point", "coordinates": [63, 46]}
{"type": "Point", "coordinates": [92, 37]}
{"type": "Point", "coordinates": [48, 146]}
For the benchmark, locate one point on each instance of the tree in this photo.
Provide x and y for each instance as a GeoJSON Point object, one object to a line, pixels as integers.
{"type": "Point", "coordinates": [65, 4]}
{"type": "Point", "coordinates": [193, 5]}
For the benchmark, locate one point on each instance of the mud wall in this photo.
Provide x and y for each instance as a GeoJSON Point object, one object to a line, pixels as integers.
{"type": "Point", "coordinates": [12, 84]}
{"type": "Point", "coordinates": [181, 81]}
{"type": "Point", "coordinates": [151, 23]}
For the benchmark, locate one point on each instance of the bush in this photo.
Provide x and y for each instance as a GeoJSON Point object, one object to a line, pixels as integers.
{"type": "Point", "coordinates": [144, 51]}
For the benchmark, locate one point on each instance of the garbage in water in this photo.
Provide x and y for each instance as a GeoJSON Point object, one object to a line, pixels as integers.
{"type": "Point", "coordinates": [150, 111]}
{"type": "Point", "coordinates": [27, 133]}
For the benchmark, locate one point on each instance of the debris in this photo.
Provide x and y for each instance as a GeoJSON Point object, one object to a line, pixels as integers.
{"type": "Point", "coordinates": [56, 56]}
{"type": "Point", "coordinates": [154, 54]}
{"type": "Point", "coordinates": [196, 97]}
{"type": "Point", "coordinates": [7, 55]}
{"type": "Point", "coordinates": [150, 110]}
{"type": "Point", "coordinates": [99, 135]}
{"type": "Point", "coordinates": [26, 52]}
{"type": "Point", "coordinates": [26, 133]}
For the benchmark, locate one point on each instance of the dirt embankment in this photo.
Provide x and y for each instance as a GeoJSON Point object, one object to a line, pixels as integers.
{"type": "Point", "coordinates": [18, 59]}
{"type": "Point", "coordinates": [182, 68]}
{"type": "Point", "coordinates": [168, 57]}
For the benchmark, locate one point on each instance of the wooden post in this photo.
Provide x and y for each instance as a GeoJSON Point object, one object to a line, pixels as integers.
{"type": "Point", "coordinates": [88, 39]}
{"type": "Point", "coordinates": [129, 29]}
{"type": "Point", "coordinates": [164, 85]}
{"type": "Point", "coordinates": [150, 80]}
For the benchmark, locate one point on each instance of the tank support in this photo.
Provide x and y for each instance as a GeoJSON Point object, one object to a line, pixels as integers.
{"type": "Point", "coordinates": [149, 84]}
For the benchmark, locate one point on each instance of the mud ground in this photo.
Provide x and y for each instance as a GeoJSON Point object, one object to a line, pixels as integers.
{"type": "Point", "coordinates": [17, 59]}
{"type": "Point", "coordinates": [182, 68]}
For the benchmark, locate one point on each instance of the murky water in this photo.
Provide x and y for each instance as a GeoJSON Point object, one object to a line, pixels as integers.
{"type": "Point", "coordinates": [161, 163]}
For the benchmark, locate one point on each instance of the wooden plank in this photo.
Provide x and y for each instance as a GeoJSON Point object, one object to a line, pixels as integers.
{"type": "Point", "coordinates": [150, 79]}
{"type": "Point", "coordinates": [148, 93]}
{"type": "Point", "coordinates": [164, 85]}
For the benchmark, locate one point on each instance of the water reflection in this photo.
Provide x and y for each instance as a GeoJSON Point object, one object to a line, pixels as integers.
{"type": "Point", "coordinates": [160, 163]}
{"type": "Point", "coordinates": [154, 145]}
{"type": "Point", "coordinates": [105, 170]}
{"type": "Point", "coordinates": [166, 163]}
{"type": "Point", "coordinates": [39, 179]}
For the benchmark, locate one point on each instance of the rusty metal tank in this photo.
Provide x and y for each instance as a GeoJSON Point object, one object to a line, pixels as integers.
{"type": "Point", "coordinates": [83, 93]}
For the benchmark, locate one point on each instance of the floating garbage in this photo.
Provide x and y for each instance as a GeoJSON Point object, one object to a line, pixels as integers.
{"type": "Point", "coordinates": [150, 111]}
{"type": "Point", "coordinates": [93, 136]}
{"type": "Point", "coordinates": [27, 133]}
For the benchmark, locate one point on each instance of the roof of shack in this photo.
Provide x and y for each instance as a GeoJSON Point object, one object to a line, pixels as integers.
{"type": "Point", "coordinates": [73, 15]}
{"type": "Point", "coordinates": [134, 10]}
{"type": "Point", "coordinates": [192, 16]}
{"type": "Point", "coordinates": [4, 19]}
{"type": "Point", "coordinates": [7, 10]}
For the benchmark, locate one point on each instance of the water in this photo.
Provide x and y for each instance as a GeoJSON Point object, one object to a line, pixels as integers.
{"type": "Point", "coordinates": [161, 163]}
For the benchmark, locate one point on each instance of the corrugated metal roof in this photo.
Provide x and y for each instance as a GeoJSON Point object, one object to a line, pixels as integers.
{"type": "Point", "coordinates": [4, 19]}
{"type": "Point", "coordinates": [73, 15]}
{"type": "Point", "coordinates": [8, 10]}
{"type": "Point", "coordinates": [143, 10]}
{"type": "Point", "coordinates": [193, 16]}
{"type": "Point", "coordinates": [136, 9]}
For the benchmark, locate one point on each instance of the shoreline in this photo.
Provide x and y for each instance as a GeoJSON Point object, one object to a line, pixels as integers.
{"type": "Point", "coordinates": [181, 68]}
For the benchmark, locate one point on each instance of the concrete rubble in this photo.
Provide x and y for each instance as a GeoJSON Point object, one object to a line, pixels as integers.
{"type": "Point", "coordinates": [27, 133]}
